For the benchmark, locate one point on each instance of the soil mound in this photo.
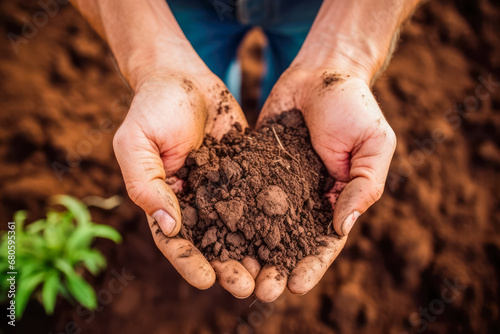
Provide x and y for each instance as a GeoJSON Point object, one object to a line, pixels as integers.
{"type": "Point", "coordinates": [257, 193]}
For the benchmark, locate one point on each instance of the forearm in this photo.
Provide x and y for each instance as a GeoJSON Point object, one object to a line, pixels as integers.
{"type": "Point", "coordinates": [143, 35]}
{"type": "Point", "coordinates": [358, 35]}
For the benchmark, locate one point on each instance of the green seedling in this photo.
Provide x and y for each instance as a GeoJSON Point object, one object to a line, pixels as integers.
{"type": "Point", "coordinates": [52, 253]}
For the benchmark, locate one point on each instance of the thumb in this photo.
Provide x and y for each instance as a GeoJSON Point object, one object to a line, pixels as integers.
{"type": "Point", "coordinates": [356, 197]}
{"type": "Point", "coordinates": [144, 176]}
{"type": "Point", "coordinates": [368, 172]}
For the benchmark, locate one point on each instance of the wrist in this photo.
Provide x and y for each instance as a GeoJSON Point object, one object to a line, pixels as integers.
{"type": "Point", "coordinates": [355, 36]}
{"type": "Point", "coordinates": [160, 59]}
{"type": "Point", "coordinates": [361, 60]}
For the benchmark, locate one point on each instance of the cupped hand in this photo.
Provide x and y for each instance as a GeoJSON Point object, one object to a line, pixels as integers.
{"type": "Point", "coordinates": [169, 116]}
{"type": "Point", "coordinates": [352, 137]}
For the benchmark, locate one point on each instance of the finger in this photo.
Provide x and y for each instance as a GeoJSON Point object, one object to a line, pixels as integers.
{"type": "Point", "coordinates": [334, 193]}
{"type": "Point", "coordinates": [144, 176]}
{"type": "Point", "coordinates": [175, 184]}
{"type": "Point", "coordinates": [185, 257]}
{"type": "Point", "coordinates": [252, 265]}
{"type": "Point", "coordinates": [270, 283]}
{"type": "Point", "coordinates": [280, 99]}
{"type": "Point", "coordinates": [311, 269]}
{"type": "Point", "coordinates": [368, 172]}
{"type": "Point", "coordinates": [233, 277]}
{"type": "Point", "coordinates": [227, 111]}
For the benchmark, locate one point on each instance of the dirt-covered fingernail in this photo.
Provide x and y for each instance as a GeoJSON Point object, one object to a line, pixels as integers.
{"type": "Point", "coordinates": [349, 222]}
{"type": "Point", "coordinates": [165, 221]}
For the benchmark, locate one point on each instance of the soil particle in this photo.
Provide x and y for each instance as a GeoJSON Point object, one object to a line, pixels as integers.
{"type": "Point", "coordinates": [210, 237]}
{"type": "Point", "coordinates": [230, 212]}
{"type": "Point", "coordinates": [189, 216]}
{"type": "Point", "coordinates": [217, 247]}
{"type": "Point", "coordinates": [213, 175]}
{"type": "Point", "coordinates": [224, 255]}
{"type": "Point", "coordinates": [273, 201]}
{"type": "Point", "coordinates": [273, 238]}
{"type": "Point", "coordinates": [258, 194]}
{"type": "Point", "coordinates": [264, 253]}
{"type": "Point", "coordinates": [199, 159]}
{"type": "Point", "coordinates": [234, 239]}
{"type": "Point", "coordinates": [230, 169]}
{"type": "Point", "coordinates": [182, 173]}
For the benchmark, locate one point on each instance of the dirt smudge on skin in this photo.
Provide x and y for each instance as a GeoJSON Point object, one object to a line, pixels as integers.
{"type": "Point", "coordinates": [223, 106]}
{"type": "Point", "coordinates": [186, 253]}
{"type": "Point", "coordinates": [330, 79]}
{"type": "Point", "coordinates": [187, 85]}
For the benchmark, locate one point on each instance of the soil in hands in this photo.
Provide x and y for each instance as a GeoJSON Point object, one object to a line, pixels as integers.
{"type": "Point", "coordinates": [258, 193]}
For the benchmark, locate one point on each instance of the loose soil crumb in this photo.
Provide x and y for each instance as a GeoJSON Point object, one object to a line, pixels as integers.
{"type": "Point", "coordinates": [259, 194]}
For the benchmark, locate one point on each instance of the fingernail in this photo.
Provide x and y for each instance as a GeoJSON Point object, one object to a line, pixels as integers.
{"type": "Point", "coordinates": [165, 221]}
{"type": "Point", "coordinates": [349, 222]}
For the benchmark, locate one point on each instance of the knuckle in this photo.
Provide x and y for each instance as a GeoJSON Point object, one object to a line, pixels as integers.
{"type": "Point", "coordinates": [135, 191]}
{"type": "Point", "coordinates": [377, 192]}
{"type": "Point", "coordinates": [391, 137]}
{"type": "Point", "coordinates": [119, 138]}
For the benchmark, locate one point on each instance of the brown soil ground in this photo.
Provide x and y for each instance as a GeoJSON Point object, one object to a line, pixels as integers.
{"type": "Point", "coordinates": [437, 224]}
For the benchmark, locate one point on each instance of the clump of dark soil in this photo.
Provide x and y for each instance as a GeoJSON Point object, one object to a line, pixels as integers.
{"type": "Point", "coordinates": [258, 193]}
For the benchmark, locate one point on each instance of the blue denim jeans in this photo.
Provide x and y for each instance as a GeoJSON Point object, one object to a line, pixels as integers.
{"type": "Point", "coordinates": [215, 28]}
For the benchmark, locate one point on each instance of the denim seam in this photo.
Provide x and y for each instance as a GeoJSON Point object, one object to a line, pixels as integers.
{"type": "Point", "coordinates": [242, 12]}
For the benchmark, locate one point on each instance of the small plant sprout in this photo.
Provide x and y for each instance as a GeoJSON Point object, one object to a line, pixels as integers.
{"type": "Point", "coordinates": [52, 253]}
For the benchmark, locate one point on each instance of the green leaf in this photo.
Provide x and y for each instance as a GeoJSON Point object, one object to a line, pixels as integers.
{"type": "Point", "coordinates": [19, 218]}
{"type": "Point", "coordinates": [26, 286]}
{"type": "Point", "coordinates": [66, 217]}
{"type": "Point", "coordinates": [53, 217]}
{"type": "Point", "coordinates": [77, 286]}
{"type": "Point", "coordinates": [63, 290]}
{"type": "Point", "coordinates": [29, 267]}
{"type": "Point", "coordinates": [82, 291]}
{"type": "Point", "coordinates": [93, 260]}
{"type": "Point", "coordinates": [33, 246]}
{"type": "Point", "coordinates": [55, 235]}
{"type": "Point", "coordinates": [36, 226]}
{"type": "Point", "coordinates": [79, 239]}
{"type": "Point", "coordinates": [105, 231]}
{"type": "Point", "coordinates": [65, 267]}
{"type": "Point", "coordinates": [77, 208]}
{"type": "Point", "coordinates": [82, 237]}
{"type": "Point", "coordinates": [49, 291]}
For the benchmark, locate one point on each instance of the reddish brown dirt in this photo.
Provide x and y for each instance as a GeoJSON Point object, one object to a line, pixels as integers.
{"type": "Point", "coordinates": [257, 193]}
{"type": "Point", "coordinates": [438, 221]}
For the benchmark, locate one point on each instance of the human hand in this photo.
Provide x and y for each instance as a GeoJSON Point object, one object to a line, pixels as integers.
{"type": "Point", "coordinates": [350, 134]}
{"type": "Point", "coordinates": [169, 116]}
